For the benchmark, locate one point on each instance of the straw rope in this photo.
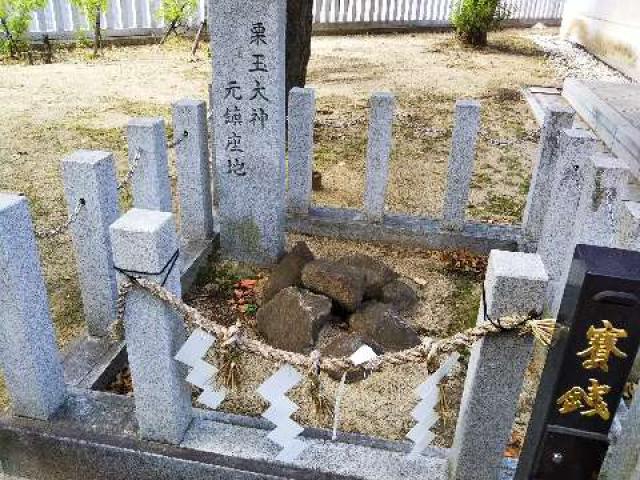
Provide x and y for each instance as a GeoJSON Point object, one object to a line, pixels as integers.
{"type": "Point", "coordinates": [429, 350]}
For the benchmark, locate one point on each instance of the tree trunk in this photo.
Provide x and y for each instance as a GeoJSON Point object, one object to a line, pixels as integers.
{"type": "Point", "coordinates": [196, 41]}
{"type": "Point", "coordinates": [299, 23]}
{"type": "Point", "coordinates": [97, 34]}
{"type": "Point", "coordinates": [5, 26]}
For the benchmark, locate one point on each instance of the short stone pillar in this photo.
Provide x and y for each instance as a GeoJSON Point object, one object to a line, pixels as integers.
{"type": "Point", "coordinates": [623, 458]}
{"type": "Point", "coordinates": [558, 235]}
{"type": "Point", "coordinates": [628, 233]}
{"type": "Point", "coordinates": [302, 114]}
{"type": "Point", "coordinates": [146, 241]}
{"type": "Point", "coordinates": [378, 154]}
{"type": "Point", "coordinates": [461, 159]}
{"type": "Point", "coordinates": [556, 119]}
{"type": "Point", "coordinates": [515, 284]}
{"type": "Point", "coordinates": [249, 122]}
{"type": "Point", "coordinates": [192, 163]}
{"type": "Point", "coordinates": [90, 177]}
{"type": "Point", "coordinates": [601, 201]}
{"type": "Point", "coordinates": [28, 352]}
{"type": "Point", "coordinates": [150, 184]}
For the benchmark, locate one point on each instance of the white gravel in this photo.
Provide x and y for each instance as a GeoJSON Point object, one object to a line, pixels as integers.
{"type": "Point", "coordinates": [571, 60]}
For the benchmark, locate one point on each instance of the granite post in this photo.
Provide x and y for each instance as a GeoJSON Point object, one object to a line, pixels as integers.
{"type": "Point", "coordinates": [28, 353]}
{"type": "Point", "coordinates": [556, 119]}
{"type": "Point", "coordinates": [146, 241]}
{"type": "Point", "coordinates": [215, 188]}
{"type": "Point", "coordinates": [378, 154]}
{"type": "Point", "coordinates": [302, 114]}
{"type": "Point", "coordinates": [461, 159]}
{"type": "Point", "coordinates": [249, 122]}
{"type": "Point", "coordinates": [601, 201]}
{"type": "Point", "coordinates": [628, 238]}
{"type": "Point", "coordinates": [90, 177]}
{"type": "Point", "coordinates": [558, 235]}
{"type": "Point", "coordinates": [150, 184]}
{"type": "Point", "coordinates": [622, 461]}
{"type": "Point", "coordinates": [194, 179]}
{"type": "Point", "coordinates": [628, 233]}
{"type": "Point", "coordinates": [515, 284]}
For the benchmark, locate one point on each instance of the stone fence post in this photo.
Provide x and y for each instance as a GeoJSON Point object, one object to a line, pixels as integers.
{"type": "Point", "coordinates": [515, 284]}
{"type": "Point", "coordinates": [601, 202]}
{"type": "Point", "coordinates": [194, 178]}
{"type": "Point", "coordinates": [145, 241]}
{"type": "Point", "coordinates": [150, 185]}
{"type": "Point", "coordinates": [28, 353]}
{"type": "Point", "coordinates": [556, 119]}
{"type": "Point", "coordinates": [90, 176]}
{"type": "Point", "coordinates": [378, 154]}
{"type": "Point", "coordinates": [623, 458]}
{"type": "Point", "coordinates": [461, 159]}
{"type": "Point", "coordinates": [302, 114]}
{"type": "Point", "coordinates": [558, 236]}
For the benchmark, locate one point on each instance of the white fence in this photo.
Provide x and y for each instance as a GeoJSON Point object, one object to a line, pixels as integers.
{"type": "Point", "coordinates": [140, 17]}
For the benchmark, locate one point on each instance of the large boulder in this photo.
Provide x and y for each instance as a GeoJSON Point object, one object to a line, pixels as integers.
{"type": "Point", "coordinates": [293, 318]}
{"type": "Point", "coordinates": [342, 283]}
{"type": "Point", "coordinates": [288, 272]}
{"type": "Point", "coordinates": [399, 294]}
{"type": "Point", "coordinates": [381, 324]}
{"type": "Point", "coordinates": [376, 273]}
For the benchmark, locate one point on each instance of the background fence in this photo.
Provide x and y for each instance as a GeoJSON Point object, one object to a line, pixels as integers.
{"type": "Point", "coordinates": [140, 17]}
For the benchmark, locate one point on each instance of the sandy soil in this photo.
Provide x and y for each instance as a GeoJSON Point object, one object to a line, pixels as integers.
{"type": "Point", "coordinates": [51, 110]}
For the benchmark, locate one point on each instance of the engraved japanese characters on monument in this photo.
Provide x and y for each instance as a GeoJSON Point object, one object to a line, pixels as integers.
{"type": "Point", "coordinates": [248, 39]}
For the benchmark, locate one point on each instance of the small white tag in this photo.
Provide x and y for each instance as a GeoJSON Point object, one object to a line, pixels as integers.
{"type": "Point", "coordinates": [363, 355]}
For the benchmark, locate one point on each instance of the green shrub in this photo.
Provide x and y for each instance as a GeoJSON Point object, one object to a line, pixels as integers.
{"type": "Point", "coordinates": [473, 19]}
{"type": "Point", "coordinates": [175, 13]}
{"type": "Point", "coordinates": [15, 17]}
{"type": "Point", "coordinates": [92, 10]}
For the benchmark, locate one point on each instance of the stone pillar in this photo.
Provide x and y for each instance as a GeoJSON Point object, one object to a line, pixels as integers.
{"type": "Point", "coordinates": [249, 123]}
{"type": "Point", "coordinates": [378, 153]}
{"type": "Point", "coordinates": [215, 188]}
{"type": "Point", "coordinates": [628, 238]}
{"type": "Point", "coordinates": [148, 155]}
{"type": "Point", "coordinates": [623, 458]}
{"type": "Point", "coordinates": [600, 205]}
{"type": "Point", "coordinates": [556, 119]}
{"type": "Point", "coordinates": [558, 236]}
{"type": "Point", "coordinates": [515, 284]}
{"type": "Point", "coordinates": [628, 233]}
{"type": "Point", "coordinates": [28, 353]}
{"type": "Point", "coordinates": [90, 176]}
{"type": "Point", "coordinates": [192, 161]}
{"type": "Point", "coordinates": [463, 151]}
{"type": "Point", "coordinates": [145, 241]}
{"type": "Point", "coordinates": [302, 114]}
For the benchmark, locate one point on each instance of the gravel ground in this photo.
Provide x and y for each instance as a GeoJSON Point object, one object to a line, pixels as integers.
{"type": "Point", "coordinates": [571, 60]}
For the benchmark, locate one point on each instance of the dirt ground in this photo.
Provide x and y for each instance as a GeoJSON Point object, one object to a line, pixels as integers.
{"type": "Point", "coordinates": [50, 110]}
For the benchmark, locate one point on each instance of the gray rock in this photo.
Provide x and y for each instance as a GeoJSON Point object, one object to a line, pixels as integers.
{"type": "Point", "coordinates": [342, 283]}
{"type": "Point", "coordinates": [335, 342]}
{"type": "Point", "coordinates": [376, 273]}
{"type": "Point", "coordinates": [293, 318]}
{"type": "Point", "coordinates": [288, 272]}
{"type": "Point", "coordinates": [381, 323]}
{"type": "Point", "coordinates": [399, 294]}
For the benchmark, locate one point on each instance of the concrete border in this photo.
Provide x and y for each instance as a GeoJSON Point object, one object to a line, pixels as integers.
{"type": "Point", "coordinates": [405, 230]}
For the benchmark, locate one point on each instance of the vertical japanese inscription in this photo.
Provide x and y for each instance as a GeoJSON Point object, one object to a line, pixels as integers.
{"type": "Point", "coordinates": [250, 110]}
{"type": "Point", "coordinates": [249, 118]}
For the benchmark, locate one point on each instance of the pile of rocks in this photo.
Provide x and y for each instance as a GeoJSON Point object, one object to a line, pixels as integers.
{"type": "Point", "coordinates": [335, 306]}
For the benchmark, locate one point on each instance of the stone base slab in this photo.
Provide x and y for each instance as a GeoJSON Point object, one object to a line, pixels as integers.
{"type": "Point", "coordinates": [406, 230]}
